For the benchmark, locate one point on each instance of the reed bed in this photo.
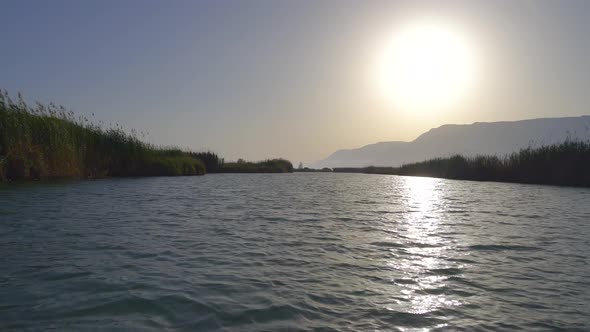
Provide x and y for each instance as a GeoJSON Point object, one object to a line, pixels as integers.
{"type": "Point", "coordinates": [48, 142]}
{"type": "Point", "coordinates": [266, 166]}
{"type": "Point", "coordinates": [567, 163]}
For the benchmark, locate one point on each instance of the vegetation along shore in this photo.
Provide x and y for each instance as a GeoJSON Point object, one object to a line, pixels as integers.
{"type": "Point", "coordinates": [49, 142]}
{"type": "Point", "coordinates": [567, 163]}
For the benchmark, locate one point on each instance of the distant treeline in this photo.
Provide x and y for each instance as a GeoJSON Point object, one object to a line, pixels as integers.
{"type": "Point", "coordinates": [312, 170]}
{"type": "Point", "coordinates": [49, 142]}
{"type": "Point", "coordinates": [566, 164]}
{"type": "Point", "coordinates": [350, 169]}
{"type": "Point", "coordinates": [266, 166]}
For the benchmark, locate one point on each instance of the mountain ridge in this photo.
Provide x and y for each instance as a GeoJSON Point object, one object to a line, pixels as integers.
{"type": "Point", "coordinates": [495, 138]}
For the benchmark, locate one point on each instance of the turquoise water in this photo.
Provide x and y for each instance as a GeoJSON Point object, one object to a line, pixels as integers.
{"type": "Point", "coordinates": [326, 252]}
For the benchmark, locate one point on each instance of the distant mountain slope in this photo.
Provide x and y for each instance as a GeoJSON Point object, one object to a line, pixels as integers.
{"type": "Point", "coordinates": [477, 138]}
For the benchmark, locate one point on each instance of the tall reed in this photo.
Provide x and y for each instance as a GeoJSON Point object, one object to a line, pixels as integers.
{"type": "Point", "coordinates": [48, 141]}
{"type": "Point", "coordinates": [567, 163]}
{"type": "Point", "coordinates": [266, 166]}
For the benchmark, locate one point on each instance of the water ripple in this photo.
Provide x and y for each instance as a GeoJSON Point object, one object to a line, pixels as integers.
{"type": "Point", "coordinates": [330, 252]}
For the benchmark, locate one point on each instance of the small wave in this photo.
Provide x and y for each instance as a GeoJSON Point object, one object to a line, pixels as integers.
{"type": "Point", "coordinates": [366, 202]}
{"type": "Point", "coordinates": [66, 275]}
{"type": "Point", "coordinates": [466, 282]}
{"type": "Point", "coordinates": [445, 290]}
{"type": "Point", "coordinates": [423, 245]}
{"type": "Point", "coordinates": [387, 244]}
{"type": "Point", "coordinates": [462, 260]}
{"type": "Point", "coordinates": [272, 313]}
{"type": "Point", "coordinates": [500, 247]}
{"type": "Point", "coordinates": [400, 318]}
{"type": "Point", "coordinates": [405, 281]}
{"type": "Point", "coordinates": [329, 299]}
{"type": "Point", "coordinates": [120, 307]}
{"type": "Point", "coordinates": [445, 272]}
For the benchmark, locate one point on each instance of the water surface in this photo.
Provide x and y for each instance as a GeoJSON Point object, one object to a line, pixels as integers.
{"type": "Point", "coordinates": [293, 252]}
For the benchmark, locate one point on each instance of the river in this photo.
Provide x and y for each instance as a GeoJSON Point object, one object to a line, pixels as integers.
{"type": "Point", "coordinates": [267, 252]}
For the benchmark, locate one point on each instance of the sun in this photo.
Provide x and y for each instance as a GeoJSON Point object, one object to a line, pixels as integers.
{"type": "Point", "coordinates": [427, 64]}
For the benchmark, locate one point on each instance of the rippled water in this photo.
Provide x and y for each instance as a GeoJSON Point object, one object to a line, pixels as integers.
{"type": "Point", "coordinates": [294, 252]}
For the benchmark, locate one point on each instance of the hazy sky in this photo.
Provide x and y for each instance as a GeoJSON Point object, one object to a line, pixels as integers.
{"type": "Point", "coordinates": [260, 79]}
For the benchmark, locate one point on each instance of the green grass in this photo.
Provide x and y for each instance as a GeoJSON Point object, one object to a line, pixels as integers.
{"type": "Point", "coordinates": [47, 142]}
{"type": "Point", "coordinates": [567, 164]}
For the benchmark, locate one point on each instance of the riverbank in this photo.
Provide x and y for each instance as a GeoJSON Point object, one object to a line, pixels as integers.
{"type": "Point", "coordinates": [566, 164]}
{"type": "Point", "coordinates": [278, 165]}
{"type": "Point", "coordinates": [48, 142]}
{"type": "Point", "coordinates": [45, 142]}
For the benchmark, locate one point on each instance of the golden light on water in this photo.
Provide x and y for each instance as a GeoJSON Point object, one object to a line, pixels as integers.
{"type": "Point", "coordinates": [424, 201]}
{"type": "Point", "coordinates": [425, 248]}
{"type": "Point", "coordinates": [427, 64]}
{"type": "Point", "coordinates": [423, 205]}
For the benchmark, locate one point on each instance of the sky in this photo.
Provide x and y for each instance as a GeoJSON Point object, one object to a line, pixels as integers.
{"type": "Point", "coordinates": [293, 79]}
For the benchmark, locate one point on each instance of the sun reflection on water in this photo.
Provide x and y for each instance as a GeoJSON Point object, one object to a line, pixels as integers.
{"type": "Point", "coordinates": [423, 205]}
{"type": "Point", "coordinates": [421, 258]}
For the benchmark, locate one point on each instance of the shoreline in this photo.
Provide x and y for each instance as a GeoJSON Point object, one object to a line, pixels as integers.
{"type": "Point", "coordinates": [564, 164]}
{"type": "Point", "coordinates": [50, 142]}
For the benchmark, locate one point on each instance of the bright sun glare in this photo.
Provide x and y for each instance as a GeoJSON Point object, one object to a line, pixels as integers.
{"type": "Point", "coordinates": [427, 64]}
